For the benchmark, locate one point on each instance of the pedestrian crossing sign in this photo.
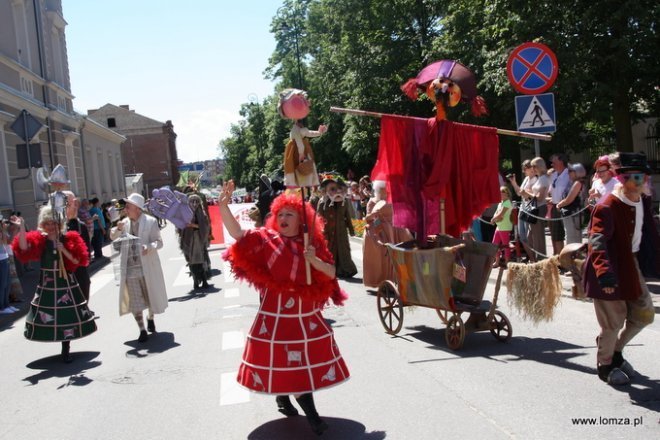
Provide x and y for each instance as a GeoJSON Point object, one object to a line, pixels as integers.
{"type": "Point", "coordinates": [536, 113]}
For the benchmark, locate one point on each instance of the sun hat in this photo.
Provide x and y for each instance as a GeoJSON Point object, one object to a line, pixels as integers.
{"type": "Point", "coordinates": [136, 199]}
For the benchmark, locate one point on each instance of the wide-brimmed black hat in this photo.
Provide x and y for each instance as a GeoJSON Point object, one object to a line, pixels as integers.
{"type": "Point", "coordinates": [631, 162]}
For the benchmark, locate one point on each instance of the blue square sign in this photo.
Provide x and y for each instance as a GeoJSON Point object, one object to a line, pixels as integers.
{"type": "Point", "coordinates": [536, 113]}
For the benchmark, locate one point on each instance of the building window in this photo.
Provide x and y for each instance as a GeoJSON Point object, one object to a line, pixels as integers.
{"type": "Point", "coordinates": [112, 123]}
{"type": "Point", "coordinates": [27, 86]}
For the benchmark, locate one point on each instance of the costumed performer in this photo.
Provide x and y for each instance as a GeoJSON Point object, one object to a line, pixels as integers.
{"type": "Point", "coordinates": [612, 275]}
{"type": "Point", "coordinates": [58, 311]}
{"type": "Point", "coordinates": [334, 209]}
{"type": "Point", "coordinates": [290, 348]}
{"type": "Point", "coordinates": [141, 284]}
{"type": "Point", "coordinates": [299, 166]}
{"type": "Point", "coordinates": [195, 241]}
{"type": "Point", "coordinates": [376, 263]}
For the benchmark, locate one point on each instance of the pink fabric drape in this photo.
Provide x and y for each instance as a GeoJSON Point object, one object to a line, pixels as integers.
{"type": "Point", "coordinates": [424, 160]}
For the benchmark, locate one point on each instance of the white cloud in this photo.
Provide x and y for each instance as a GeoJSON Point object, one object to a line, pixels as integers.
{"type": "Point", "coordinates": [199, 132]}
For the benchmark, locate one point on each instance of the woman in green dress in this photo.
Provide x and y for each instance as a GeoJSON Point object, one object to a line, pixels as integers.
{"type": "Point", "coordinates": [58, 312]}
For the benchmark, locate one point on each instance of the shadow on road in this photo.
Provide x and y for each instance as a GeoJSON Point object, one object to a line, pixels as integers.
{"type": "Point", "coordinates": [157, 343]}
{"type": "Point", "coordinates": [298, 428]}
{"type": "Point", "coordinates": [53, 367]}
{"type": "Point", "coordinates": [643, 391]}
{"type": "Point", "coordinates": [196, 294]}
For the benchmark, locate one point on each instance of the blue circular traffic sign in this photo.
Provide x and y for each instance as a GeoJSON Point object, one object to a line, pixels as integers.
{"type": "Point", "coordinates": [532, 68]}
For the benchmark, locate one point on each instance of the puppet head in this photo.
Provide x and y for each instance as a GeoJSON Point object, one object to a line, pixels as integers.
{"type": "Point", "coordinates": [446, 83]}
{"type": "Point", "coordinates": [293, 104]}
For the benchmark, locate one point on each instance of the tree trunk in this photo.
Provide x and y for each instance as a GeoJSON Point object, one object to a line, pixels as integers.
{"type": "Point", "coordinates": [622, 120]}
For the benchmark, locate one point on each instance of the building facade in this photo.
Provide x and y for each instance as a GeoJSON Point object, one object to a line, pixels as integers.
{"type": "Point", "coordinates": [34, 77]}
{"type": "Point", "coordinates": [149, 148]}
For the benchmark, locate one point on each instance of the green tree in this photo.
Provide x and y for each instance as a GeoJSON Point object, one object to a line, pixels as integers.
{"type": "Point", "coordinates": [606, 50]}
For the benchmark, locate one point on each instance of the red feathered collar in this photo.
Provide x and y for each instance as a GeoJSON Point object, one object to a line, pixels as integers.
{"type": "Point", "coordinates": [36, 241]}
{"type": "Point", "coordinates": [267, 260]}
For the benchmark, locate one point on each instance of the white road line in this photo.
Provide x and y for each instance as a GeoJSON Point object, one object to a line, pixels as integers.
{"type": "Point", "coordinates": [182, 278]}
{"type": "Point", "coordinates": [99, 282]}
{"type": "Point", "coordinates": [230, 391]}
{"type": "Point", "coordinates": [232, 292]}
{"type": "Point", "coordinates": [231, 316]}
{"type": "Point", "coordinates": [233, 339]}
{"type": "Point", "coordinates": [177, 259]}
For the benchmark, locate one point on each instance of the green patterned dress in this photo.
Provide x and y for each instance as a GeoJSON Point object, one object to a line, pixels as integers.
{"type": "Point", "coordinates": [58, 311]}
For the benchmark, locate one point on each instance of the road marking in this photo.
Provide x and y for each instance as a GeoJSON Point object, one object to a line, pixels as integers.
{"type": "Point", "coordinates": [230, 391]}
{"type": "Point", "coordinates": [182, 278]}
{"type": "Point", "coordinates": [226, 270]}
{"type": "Point", "coordinates": [233, 339]}
{"type": "Point", "coordinates": [231, 316]}
{"type": "Point", "coordinates": [99, 282]}
{"type": "Point", "coordinates": [177, 259]}
{"type": "Point", "coordinates": [232, 292]}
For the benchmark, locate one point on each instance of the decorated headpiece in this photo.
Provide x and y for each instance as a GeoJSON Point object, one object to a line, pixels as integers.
{"type": "Point", "coordinates": [450, 79]}
{"type": "Point", "coordinates": [327, 178]}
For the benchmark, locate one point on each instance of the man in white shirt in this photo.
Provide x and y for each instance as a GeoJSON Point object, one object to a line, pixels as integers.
{"type": "Point", "coordinates": [560, 183]}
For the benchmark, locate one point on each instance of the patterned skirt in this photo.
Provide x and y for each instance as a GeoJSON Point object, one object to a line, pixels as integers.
{"type": "Point", "coordinates": [290, 348]}
{"type": "Point", "coordinates": [58, 311]}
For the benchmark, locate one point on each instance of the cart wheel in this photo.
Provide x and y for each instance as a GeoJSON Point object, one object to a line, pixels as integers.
{"type": "Point", "coordinates": [390, 308]}
{"type": "Point", "coordinates": [500, 326]}
{"type": "Point", "coordinates": [455, 332]}
{"type": "Point", "coordinates": [444, 315]}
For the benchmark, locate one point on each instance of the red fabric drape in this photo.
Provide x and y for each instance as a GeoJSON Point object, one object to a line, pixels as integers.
{"type": "Point", "coordinates": [424, 160]}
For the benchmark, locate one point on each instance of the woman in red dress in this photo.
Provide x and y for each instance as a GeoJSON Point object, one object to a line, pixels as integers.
{"type": "Point", "coordinates": [290, 348]}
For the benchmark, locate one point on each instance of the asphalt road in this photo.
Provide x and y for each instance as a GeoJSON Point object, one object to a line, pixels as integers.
{"type": "Point", "coordinates": [181, 383]}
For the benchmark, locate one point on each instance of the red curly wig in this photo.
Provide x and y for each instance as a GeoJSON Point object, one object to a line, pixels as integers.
{"type": "Point", "coordinates": [294, 201]}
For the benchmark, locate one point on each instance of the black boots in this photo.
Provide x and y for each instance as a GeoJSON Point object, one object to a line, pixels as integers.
{"type": "Point", "coordinates": [306, 402]}
{"type": "Point", "coordinates": [151, 325]}
{"type": "Point", "coordinates": [285, 406]}
{"type": "Point", "coordinates": [144, 336]}
{"type": "Point", "coordinates": [66, 352]}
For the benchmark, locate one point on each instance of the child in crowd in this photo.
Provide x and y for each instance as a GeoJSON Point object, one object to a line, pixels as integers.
{"type": "Point", "coordinates": [504, 226]}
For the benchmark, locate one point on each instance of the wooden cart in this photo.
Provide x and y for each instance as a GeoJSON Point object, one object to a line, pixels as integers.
{"type": "Point", "coordinates": [426, 277]}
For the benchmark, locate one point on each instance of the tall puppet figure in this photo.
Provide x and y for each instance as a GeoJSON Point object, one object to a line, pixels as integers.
{"type": "Point", "coordinates": [58, 311]}
{"type": "Point", "coordinates": [299, 166]}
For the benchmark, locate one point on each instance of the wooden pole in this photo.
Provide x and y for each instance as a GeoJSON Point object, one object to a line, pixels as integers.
{"type": "Point", "coordinates": [351, 111]}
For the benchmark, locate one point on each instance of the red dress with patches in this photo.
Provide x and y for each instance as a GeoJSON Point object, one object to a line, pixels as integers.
{"type": "Point", "coordinates": [290, 348]}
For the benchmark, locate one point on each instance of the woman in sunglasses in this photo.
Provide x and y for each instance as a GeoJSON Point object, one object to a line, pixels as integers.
{"type": "Point", "coordinates": [612, 276]}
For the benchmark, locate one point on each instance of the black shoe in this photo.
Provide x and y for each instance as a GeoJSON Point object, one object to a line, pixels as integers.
{"type": "Point", "coordinates": [205, 285]}
{"type": "Point", "coordinates": [306, 402]}
{"type": "Point", "coordinates": [285, 406]}
{"type": "Point", "coordinates": [66, 352]}
{"type": "Point", "coordinates": [151, 326]}
{"type": "Point", "coordinates": [143, 336]}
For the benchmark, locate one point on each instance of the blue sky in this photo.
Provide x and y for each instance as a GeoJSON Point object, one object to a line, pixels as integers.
{"type": "Point", "coordinates": [192, 62]}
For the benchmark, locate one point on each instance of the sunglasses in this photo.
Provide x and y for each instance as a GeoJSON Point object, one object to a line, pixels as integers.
{"type": "Point", "coordinates": [637, 177]}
